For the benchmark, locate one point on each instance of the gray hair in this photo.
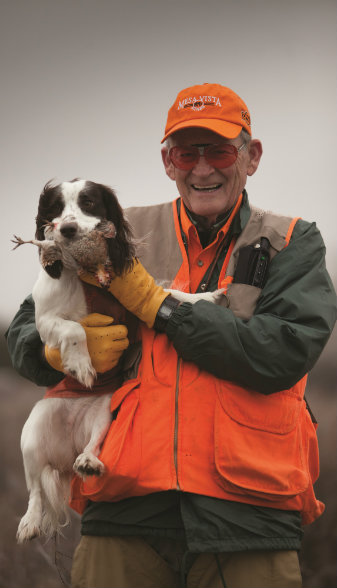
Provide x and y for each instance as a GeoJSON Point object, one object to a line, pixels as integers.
{"type": "Point", "coordinates": [244, 136]}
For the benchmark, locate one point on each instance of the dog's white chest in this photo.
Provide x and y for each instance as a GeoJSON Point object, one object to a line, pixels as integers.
{"type": "Point", "coordinates": [63, 297]}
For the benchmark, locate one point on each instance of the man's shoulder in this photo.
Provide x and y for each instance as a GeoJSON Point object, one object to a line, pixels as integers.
{"type": "Point", "coordinates": [277, 228]}
{"type": "Point", "coordinates": [154, 229]}
{"type": "Point", "coordinates": [145, 219]}
{"type": "Point", "coordinates": [265, 214]}
{"type": "Point", "coordinates": [295, 225]}
{"type": "Point", "coordinates": [143, 210]}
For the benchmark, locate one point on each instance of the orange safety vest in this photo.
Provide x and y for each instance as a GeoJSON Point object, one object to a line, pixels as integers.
{"type": "Point", "coordinates": [179, 427]}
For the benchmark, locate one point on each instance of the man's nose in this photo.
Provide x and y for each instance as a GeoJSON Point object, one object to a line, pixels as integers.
{"type": "Point", "coordinates": [68, 229]}
{"type": "Point", "coordinates": [202, 167]}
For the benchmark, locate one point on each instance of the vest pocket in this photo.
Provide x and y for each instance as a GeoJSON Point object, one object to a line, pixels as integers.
{"type": "Point", "coordinates": [261, 443]}
{"type": "Point", "coordinates": [242, 299]}
{"type": "Point", "coordinates": [121, 466]}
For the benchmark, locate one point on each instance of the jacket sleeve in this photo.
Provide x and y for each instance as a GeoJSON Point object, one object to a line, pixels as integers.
{"type": "Point", "coordinates": [25, 347]}
{"type": "Point", "coordinates": [293, 320]}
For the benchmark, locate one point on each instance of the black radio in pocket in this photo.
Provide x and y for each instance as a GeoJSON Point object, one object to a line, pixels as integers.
{"type": "Point", "coordinates": [253, 263]}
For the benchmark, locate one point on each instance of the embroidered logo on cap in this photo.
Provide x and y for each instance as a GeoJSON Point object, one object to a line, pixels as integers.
{"type": "Point", "coordinates": [245, 116]}
{"type": "Point", "coordinates": [199, 103]}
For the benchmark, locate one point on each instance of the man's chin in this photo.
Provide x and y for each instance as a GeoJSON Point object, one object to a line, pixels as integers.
{"type": "Point", "coordinates": [207, 208]}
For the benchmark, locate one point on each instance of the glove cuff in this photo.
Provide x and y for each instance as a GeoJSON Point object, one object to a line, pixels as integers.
{"type": "Point", "coordinates": [164, 313]}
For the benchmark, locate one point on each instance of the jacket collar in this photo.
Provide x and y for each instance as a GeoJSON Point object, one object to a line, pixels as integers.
{"type": "Point", "coordinates": [208, 234]}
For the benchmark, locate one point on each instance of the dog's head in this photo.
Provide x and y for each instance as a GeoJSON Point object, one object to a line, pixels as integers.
{"type": "Point", "coordinates": [72, 209]}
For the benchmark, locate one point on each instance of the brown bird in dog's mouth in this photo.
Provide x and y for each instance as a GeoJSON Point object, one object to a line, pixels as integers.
{"type": "Point", "coordinates": [88, 251]}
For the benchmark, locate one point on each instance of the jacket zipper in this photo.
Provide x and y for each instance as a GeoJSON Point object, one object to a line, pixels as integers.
{"type": "Point", "coordinates": [175, 438]}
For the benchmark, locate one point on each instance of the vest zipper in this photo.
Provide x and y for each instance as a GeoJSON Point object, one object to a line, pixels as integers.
{"type": "Point", "coordinates": [175, 437]}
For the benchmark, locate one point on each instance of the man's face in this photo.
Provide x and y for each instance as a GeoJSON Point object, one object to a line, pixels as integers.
{"type": "Point", "coordinates": [206, 190]}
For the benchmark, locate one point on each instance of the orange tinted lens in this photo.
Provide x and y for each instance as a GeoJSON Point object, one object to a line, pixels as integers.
{"type": "Point", "coordinates": [184, 157]}
{"type": "Point", "coordinates": [218, 156]}
{"type": "Point", "coordinates": [221, 155]}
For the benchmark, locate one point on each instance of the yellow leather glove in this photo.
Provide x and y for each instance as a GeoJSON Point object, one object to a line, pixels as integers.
{"type": "Point", "coordinates": [106, 343]}
{"type": "Point", "coordinates": [136, 290]}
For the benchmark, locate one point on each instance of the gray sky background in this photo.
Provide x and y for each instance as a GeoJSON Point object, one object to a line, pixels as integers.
{"type": "Point", "coordinates": [86, 85]}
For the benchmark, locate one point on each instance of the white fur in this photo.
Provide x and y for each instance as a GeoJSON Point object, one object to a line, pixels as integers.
{"type": "Point", "coordinates": [59, 304]}
{"type": "Point", "coordinates": [72, 211]}
{"type": "Point", "coordinates": [213, 297]}
{"type": "Point", "coordinates": [64, 435]}
{"type": "Point", "coordinates": [60, 435]}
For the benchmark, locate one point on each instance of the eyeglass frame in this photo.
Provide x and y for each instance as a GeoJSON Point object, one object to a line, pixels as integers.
{"type": "Point", "coordinates": [203, 146]}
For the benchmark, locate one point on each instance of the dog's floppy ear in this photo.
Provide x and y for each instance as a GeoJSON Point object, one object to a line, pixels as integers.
{"type": "Point", "coordinates": [121, 247]}
{"type": "Point", "coordinates": [50, 206]}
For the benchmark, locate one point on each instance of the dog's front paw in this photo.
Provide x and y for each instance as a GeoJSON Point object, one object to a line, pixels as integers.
{"type": "Point", "coordinates": [88, 465]}
{"type": "Point", "coordinates": [213, 297]}
{"type": "Point", "coordinates": [84, 373]}
{"type": "Point", "coordinates": [77, 363]}
{"type": "Point", "coordinates": [75, 356]}
{"type": "Point", "coordinates": [28, 529]}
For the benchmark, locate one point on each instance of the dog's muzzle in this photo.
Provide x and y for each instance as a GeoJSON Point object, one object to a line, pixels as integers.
{"type": "Point", "coordinates": [69, 229]}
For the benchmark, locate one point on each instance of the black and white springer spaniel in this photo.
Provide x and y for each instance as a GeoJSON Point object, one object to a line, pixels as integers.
{"type": "Point", "coordinates": [79, 224]}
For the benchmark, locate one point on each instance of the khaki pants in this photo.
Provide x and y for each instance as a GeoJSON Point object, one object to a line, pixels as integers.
{"type": "Point", "coordinates": [130, 562]}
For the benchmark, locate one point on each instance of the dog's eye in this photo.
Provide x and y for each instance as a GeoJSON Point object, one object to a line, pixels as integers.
{"type": "Point", "coordinates": [87, 203]}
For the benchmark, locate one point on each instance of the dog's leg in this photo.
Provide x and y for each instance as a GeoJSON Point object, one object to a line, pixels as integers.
{"type": "Point", "coordinates": [47, 456]}
{"type": "Point", "coordinates": [34, 460]}
{"type": "Point", "coordinates": [55, 301]}
{"type": "Point", "coordinates": [96, 423]}
{"type": "Point", "coordinates": [30, 524]}
{"type": "Point", "coordinates": [70, 338]}
{"type": "Point", "coordinates": [213, 297]}
{"type": "Point", "coordinates": [74, 352]}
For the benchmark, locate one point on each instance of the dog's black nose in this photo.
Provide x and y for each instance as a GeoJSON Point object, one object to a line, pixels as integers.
{"type": "Point", "coordinates": [68, 230]}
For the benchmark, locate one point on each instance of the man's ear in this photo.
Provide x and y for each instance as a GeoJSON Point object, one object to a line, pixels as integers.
{"type": "Point", "coordinates": [255, 153]}
{"type": "Point", "coordinates": [169, 167]}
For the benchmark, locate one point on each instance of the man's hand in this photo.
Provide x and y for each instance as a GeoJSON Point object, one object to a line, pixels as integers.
{"type": "Point", "coordinates": [106, 343]}
{"type": "Point", "coordinates": [136, 290]}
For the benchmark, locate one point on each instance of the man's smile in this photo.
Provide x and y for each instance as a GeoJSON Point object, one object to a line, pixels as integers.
{"type": "Point", "coordinates": [209, 188]}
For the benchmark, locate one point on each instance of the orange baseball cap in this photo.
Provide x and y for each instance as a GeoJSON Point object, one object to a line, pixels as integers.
{"type": "Point", "coordinates": [209, 106]}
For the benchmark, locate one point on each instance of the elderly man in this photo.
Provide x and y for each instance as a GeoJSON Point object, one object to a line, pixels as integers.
{"type": "Point", "coordinates": [212, 454]}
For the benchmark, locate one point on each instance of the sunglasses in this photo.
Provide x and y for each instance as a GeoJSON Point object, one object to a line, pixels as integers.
{"type": "Point", "coordinates": [218, 156]}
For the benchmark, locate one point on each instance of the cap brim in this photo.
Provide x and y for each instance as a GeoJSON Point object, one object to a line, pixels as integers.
{"type": "Point", "coordinates": [225, 129]}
